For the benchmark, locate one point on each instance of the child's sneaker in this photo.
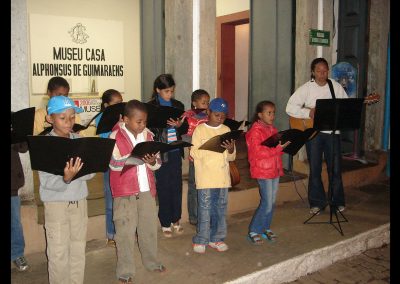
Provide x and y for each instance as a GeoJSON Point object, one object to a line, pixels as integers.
{"type": "Point", "coordinates": [269, 235]}
{"type": "Point", "coordinates": [125, 280]}
{"type": "Point", "coordinates": [167, 231]}
{"type": "Point", "coordinates": [21, 263]}
{"type": "Point", "coordinates": [111, 243]}
{"type": "Point", "coordinates": [177, 228]}
{"type": "Point", "coordinates": [219, 246]}
{"type": "Point", "coordinates": [199, 248]}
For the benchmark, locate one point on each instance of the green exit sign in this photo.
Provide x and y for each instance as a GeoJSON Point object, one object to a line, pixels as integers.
{"type": "Point", "coordinates": [319, 37]}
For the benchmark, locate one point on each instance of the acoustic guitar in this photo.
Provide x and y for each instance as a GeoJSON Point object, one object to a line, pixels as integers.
{"type": "Point", "coordinates": [304, 123]}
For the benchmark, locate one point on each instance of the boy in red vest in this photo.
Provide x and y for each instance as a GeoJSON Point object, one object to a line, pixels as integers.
{"type": "Point", "coordinates": [133, 189]}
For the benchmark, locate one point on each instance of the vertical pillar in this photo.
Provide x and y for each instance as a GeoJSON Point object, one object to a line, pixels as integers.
{"type": "Point", "coordinates": [20, 80]}
{"type": "Point", "coordinates": [379, 27]}
{"type": "Point", "coordinates": [179, 46]}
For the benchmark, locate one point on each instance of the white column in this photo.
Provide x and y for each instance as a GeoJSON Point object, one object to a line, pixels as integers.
{"type": "Point", "coordinates": [320, 23]}
{"type": "Point", "coordinates": [196, 44]}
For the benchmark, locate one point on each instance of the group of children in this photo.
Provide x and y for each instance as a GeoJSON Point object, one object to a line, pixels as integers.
{"type": "Point", "coordinates": [134, 188]}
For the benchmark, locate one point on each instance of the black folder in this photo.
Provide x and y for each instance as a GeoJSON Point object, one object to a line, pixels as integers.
{"type": "Point", "coordinates": [158, 115]}
{"type": "Point", "coordinates": [50, 153]}
{"type": "Point", "coordinates": [296, 137]}
{"type": "Point", "coordinates": [234, 124]}
{"type": "Point", "coordinates": [22, 124]}
{"type": "Point", "coordinates": [75, 128]}
{"type": "Point", "coordinates": [214, 143]}
{"type": "Point", "coordinates": [110, 117]}
{"type": "Point", "coordinates": [152, 147]}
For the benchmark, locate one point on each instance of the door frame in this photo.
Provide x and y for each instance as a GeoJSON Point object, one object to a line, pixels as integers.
{"type": "Point", "coordinates": [225, 33]}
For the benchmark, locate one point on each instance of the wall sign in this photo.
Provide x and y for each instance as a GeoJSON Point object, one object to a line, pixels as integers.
{"type": "Point", "coordinates": [319, 37]}
{"type": "Point", "coordinates": [87, 52]}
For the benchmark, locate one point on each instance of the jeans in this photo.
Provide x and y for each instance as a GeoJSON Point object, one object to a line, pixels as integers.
{"type": "Point", "coordinates": [192, 195]}
{"type": "Point", "coordinates": [108, 199]}
{"type": "Point", "coordinates": [322, 145]}
{"type": "Point", "coordinates": [17, 234]}
{"type": "Point", "coordinates": [262, 217]}
{"type": "Point", "coordinates": [211, 221]}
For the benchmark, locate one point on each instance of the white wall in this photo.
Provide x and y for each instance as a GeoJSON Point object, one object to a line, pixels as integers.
{"type": "Point", "coordinates": [127, 11]}
{"type": "Point", "coordinates": [226, 7]}
{"type": "Point", "coordinates": [241, 71]}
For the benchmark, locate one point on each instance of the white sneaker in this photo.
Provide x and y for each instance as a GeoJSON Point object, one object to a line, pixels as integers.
{"type": "Point", "coordinates": [219, 246]}
{"type": "Point", "coordinates": [199, 248]}
{"type": "Point", "coordinates": [315, 210]}
{"type": "Point", "coordinates": [340, 209]}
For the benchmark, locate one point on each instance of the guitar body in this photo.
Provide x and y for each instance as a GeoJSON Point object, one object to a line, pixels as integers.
{"type": "Point", "coordinates": [234, 172]}
{"type": "Point", "coordinates": [300, 123]}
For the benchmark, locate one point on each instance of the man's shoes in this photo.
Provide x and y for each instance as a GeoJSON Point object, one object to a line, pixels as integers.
{"type": "Point", "coordinates": [199, 248]}
{"type": "Point", "coordinates": [111, 243]}
{"type": "Point", "coordinates": [21, 263]}
{"type": "Point", "coordinates": [219, 246]}
{"type": "Point", "coordinates": [340, 209]}
{"type": "Point", "coordinates": [315, 210]}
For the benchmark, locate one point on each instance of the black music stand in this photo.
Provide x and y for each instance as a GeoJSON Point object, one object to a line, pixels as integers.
{"type": "Point", "coordinates": [335, 114]}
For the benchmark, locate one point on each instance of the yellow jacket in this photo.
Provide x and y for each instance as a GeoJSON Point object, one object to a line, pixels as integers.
{"type": "Point", "coordinates": [211, 168]}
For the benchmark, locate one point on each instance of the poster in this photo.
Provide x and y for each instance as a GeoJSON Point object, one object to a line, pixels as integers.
{"type": "Point", "coordinates": [346, 75]}
{"type": "Point", "coordinates": [87, 52]}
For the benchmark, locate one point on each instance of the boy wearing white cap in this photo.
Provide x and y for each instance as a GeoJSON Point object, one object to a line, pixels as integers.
{"type": "Point", "coordinates": [212, 179]}
{"type": "Point", "coordinates": [65, 205]}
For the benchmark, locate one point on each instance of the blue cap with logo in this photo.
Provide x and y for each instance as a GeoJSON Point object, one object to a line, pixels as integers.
{"type": "Point", "coordinates": [59, 104]}
{"type": "Point", "coordinates": [219, 105]}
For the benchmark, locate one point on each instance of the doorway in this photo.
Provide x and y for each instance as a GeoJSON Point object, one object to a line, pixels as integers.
{"type": "Point", "coordinates": [232, 62]}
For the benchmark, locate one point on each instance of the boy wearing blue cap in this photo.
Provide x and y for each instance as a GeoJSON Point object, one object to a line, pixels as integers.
{"type": "Point", "coordinates": [65, 205]}
{"type": "Point", "coordinates": [212, 179]}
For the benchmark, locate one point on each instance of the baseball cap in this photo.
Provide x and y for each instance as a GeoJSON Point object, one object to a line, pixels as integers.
{"type": "Point", "coordinates": [59, 104]}
{"type": "Point", "coordinates": [219, 105]}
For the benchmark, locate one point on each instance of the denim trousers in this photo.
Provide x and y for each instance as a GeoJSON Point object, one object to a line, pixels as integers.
{"type": "Point", "coordinates": [317, 148]}
{"type": "Point", "coordinates": [211, 220]}
{"type": "Point", "coordinates": [108, 199]}
{"type": "Point", "coordinates": [262, 217]}
{"type": "Point", "coordinates": [192, 195]}
{"type": "Point", "coordinates": [17, 234]}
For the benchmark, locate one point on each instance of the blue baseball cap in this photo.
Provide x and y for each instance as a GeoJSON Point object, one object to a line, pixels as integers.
{"type": "Point", "coordinates": [59, 104]}
{"type": "Point", "coordinates": [219, 105]}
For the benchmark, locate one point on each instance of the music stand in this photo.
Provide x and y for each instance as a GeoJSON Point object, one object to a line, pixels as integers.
{"type": "Point", "coordinates": [335, 114]}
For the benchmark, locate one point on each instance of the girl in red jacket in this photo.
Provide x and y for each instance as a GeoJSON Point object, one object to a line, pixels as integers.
{"type": "Point", "coordinates": [266, 167]}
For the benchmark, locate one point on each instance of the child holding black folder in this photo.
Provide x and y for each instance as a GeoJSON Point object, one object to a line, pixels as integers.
{"type": "Point", "coordinates": [134, 189]}
{"type": "Point", "coordinates": [266, 167]}
{"type": "Point", "coordinates": [109, 97]}
{"type": "Point", "coordinates": [169, 175]}
{"type": "Point", "coordinates": [65, 205]}
{"type": "Point", "coordinates": [212, 179]}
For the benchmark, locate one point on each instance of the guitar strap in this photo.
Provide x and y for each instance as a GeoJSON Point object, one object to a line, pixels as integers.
{"type": "Point", "coordinates": [331, 88]}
